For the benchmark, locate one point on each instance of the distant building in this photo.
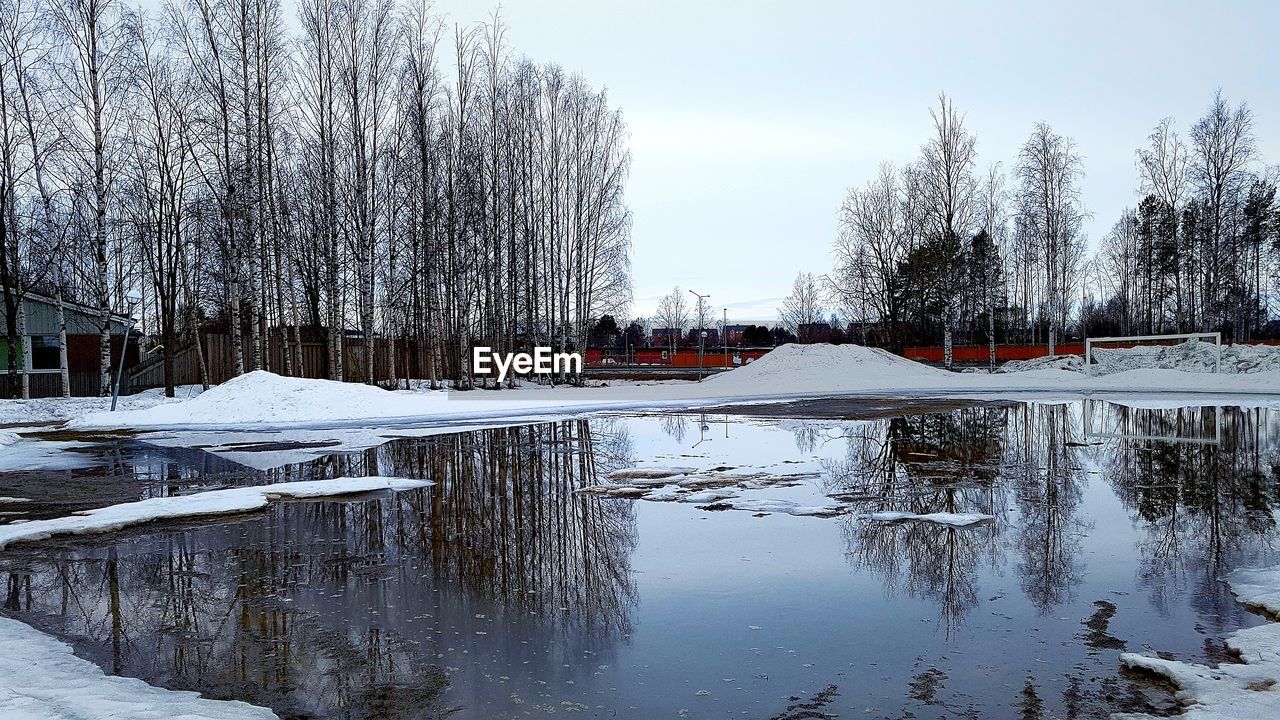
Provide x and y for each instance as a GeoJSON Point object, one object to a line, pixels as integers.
{"type": "Point", "coordinates": [664, 336]}
{"type": "Point", "coordinates": [41, 358]}
{"type": "Point", "coordinates": [713, 336]}
{"type": "Point", "coordinates": [814, 332]}
{"type": "Point", "coordinates": [733, 334]}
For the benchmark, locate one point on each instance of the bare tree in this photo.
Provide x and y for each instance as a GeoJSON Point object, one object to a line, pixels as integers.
{"type": "Point", "coordinates": [1050, 210]}
{"type": "Point", "coordinates": [803, 306]}
{"type": "Point", "coordinates": [673, 315]}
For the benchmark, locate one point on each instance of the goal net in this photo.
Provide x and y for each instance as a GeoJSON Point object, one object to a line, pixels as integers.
{"type": "Point", "coordinates": [1200, 352]}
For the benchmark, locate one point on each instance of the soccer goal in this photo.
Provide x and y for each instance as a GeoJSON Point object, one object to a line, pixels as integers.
{"type": "Point", "coordinates": [1134, 344]}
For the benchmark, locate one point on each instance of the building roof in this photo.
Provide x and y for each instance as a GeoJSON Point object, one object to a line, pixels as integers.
{"type": "Point", "coordinates": [42, 317]}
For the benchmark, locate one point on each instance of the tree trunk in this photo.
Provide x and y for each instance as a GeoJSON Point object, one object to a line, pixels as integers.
{"type": "Point", "coordinates": [64, 366]}
{"type": "Point", "coordinates": [24, 347]}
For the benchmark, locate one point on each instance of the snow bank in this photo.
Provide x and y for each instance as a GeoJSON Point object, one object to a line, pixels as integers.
{"type": "Point", "coordinates": [1258, 587]}
{"type": "Point", "coordinates": [57, 409]}
{"type": "Point", "coordinates": [40, 677]}
{"type": "Point", "coordinates": [261, 397]}
{"type": "Point", "coordinates": [1230, 691]}
{"type": "Point", "coordinates": [941, 518]}
{"type": "Point", "coordinates": [261, 400]}
{"type": "Point", "coordinates": [1073, 363]}
{"type": "Point", "coordinates": [213, 502]}
{"type": "Point", "coordinates": [1190, 356]}
{"type": "Point", "coordinates": [829, 367]}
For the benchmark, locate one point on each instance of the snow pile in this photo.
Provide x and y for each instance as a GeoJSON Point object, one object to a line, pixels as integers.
{"type": "Point", "coordinates": [941, 518]}
{"type": "Point", "coordinates": [830, 367]}
{"type": "Point", "coordinates": [1245, 691]}
{"type": "Point", "coordinates": [213, 502]}
{"type": "Point", "coordinates": [1190, 356]}
{"type": "Point", "coordinates": [40, 677]}
{"type": "Point", "coordinates": [1048, 362]}
{"type": "Point", "coordinates": [8, 438]}
{"type": "Point", "coordinates": [263, 398]}
{"type": "Point", "coordinates": [56, 409]}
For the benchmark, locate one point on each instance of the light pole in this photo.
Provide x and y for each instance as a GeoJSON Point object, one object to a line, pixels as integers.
{"type": "Point", "coordinates": [724, 338]}
{"type": "Point", "coordinates": [702, 337]}
{"type": "Point", "coordinates": [702, 342]}
{"type": "Point", "coordinates": [133, 298]}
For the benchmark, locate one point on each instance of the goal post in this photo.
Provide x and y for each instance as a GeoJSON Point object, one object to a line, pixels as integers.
{"type": "Point", "coordinates": [1216, 337]}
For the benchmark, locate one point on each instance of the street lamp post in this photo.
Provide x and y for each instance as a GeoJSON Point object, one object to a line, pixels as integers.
{"type": "Point", "coordinates": [133, 298]}
{"type": "Point", "coordinates": [702, 342]}
{"type": "Point", "coordinates": [702, 337]}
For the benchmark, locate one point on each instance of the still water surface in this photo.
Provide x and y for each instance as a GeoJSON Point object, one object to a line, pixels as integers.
{"type": "Point", "coordinates": [501, 592]}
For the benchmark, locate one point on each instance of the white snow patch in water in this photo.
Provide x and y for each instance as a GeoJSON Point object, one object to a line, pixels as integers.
{"type": "Point", "coordinates": [1259, 587]}
{"type": "Point", "coordinates": [19, 454]}
{"type": "Point", "coordinates": [942, 518]}
{"type": "Point", "coordinates": [1230, 691]}
{"type": "Point", "coordinates": [40, 677]}
{"type": "Point", "coordinates": [213, 502]}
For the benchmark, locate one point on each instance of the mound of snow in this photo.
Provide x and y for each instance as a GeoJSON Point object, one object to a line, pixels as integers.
{"type": "Point", "coordinates": [264, 398]}
{"type": "Point", "coordinates": [1048, 362]}
{"type": "Point", "coordinates": [8, 438]}
{"type": "Point", "coordinates": [823, 366]}
{"type": "Point", "coordinates": [213, 502]}
{"type": "Point", "coordinates": [40, 677]}
{"type": "Point", "coordinates": [1190, 356]}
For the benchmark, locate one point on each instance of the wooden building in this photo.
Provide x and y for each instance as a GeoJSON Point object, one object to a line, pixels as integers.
{"type": "Point", "coordinates": [41, 364]}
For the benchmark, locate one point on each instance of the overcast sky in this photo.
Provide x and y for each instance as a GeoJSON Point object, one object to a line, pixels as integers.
{"type": "Point", "coordinates": [750, 120]}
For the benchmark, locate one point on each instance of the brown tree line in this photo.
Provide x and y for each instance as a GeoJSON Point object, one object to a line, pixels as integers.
{"type": "Point", "coordinates": [936, 247]}
{"type": "Point", "coordinates": [372, 173]}
{"type": "Point", "coordinates": [1201, 251]}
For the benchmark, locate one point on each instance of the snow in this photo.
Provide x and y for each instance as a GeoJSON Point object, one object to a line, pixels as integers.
{"type": "Point", "coordinates": [261, 400]}
{"type": "Point", "coordinates": [941, 518]}
{"type": "Point", "coordinates": [213, 502]}
{"type": "Point", "coordinates": [1258, 587]}
{"type": "Point", "coordinates": [1191, 356]}
{"type": "Point", "coordinates": [49, 410]}
{"type": "Point", "coordinates": [41, 678]}
{"type": "Point", "coordinates": [1231, 691]}
{"type": "Point", "coordinates": [1194, 356]}
{"type": "Point", "coordinates": [18, 453]}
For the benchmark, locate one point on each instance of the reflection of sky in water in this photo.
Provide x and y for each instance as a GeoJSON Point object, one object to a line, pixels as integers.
{"type": "Point", "coordinates": [533, 598]}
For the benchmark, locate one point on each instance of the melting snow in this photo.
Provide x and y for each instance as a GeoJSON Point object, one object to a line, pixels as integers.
{"type": "Point", "coordinates": [41, 678]}
{"type": "Point", "coordinates": [262, 400]}
{"type": "Point", "coordinates": [1230, 691]}
{"type": "Point", "coordinates": [213, 502]}
{"type": "Point", "coordinates": [942, 518]}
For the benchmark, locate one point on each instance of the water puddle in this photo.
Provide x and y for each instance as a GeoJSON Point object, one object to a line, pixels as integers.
{"type": "Point", "coordinates": [654, 565]}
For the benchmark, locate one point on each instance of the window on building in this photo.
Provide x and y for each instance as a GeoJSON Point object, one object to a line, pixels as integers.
{"type": "Point", "coordinates": [44, 352]}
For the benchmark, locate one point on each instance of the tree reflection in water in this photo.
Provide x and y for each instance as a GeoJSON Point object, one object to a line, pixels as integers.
{"type": "Point", "coordinates": [357, 609]}
{"type": "Point", "coordinates": [1206, 494]}
{"type": "Point", "coordinates": [1204, 505]}
{"type": "Point", "coordinates": [944, 462]}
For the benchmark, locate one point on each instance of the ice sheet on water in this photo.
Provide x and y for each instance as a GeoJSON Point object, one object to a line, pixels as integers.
{"type": "Point", "coordinates": [213, 502]}
{"type": "Point", "coordinates": [18, 453]}
{"type": "Point", "coordinates": [941, 518]}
